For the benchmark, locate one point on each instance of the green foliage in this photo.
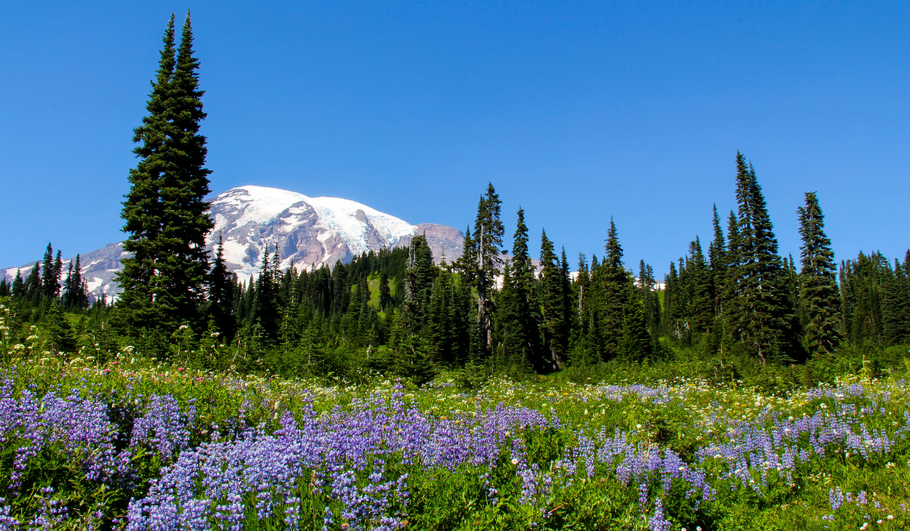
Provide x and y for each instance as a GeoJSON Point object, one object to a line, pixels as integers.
{"type": "Point", "coordinates": [681, 414]}
{"type": "Point", "coordinates": [819, 298]}
{"type": "Point", "coordinates": [165, 213]}
{"type": "Point", "coordinates": [757, 311]}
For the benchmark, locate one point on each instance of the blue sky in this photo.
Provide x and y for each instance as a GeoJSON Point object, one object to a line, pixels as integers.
{"type": "Point", "coordinates": [574, 111]}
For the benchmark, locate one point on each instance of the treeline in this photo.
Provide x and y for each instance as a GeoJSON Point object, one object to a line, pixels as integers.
{"type": "Point", "coordinates": [395, 311]}
{"type": "Point", "coordinates": [744, 298]}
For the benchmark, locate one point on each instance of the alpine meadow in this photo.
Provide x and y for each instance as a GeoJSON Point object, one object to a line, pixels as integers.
{"type": "Point", "coordinates": [487, 389]}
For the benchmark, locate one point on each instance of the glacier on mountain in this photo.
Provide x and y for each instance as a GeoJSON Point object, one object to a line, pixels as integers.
{"type": "Point", "coordinates": [308, 232]}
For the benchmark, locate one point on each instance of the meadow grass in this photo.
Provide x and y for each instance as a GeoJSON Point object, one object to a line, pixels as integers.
{"type": "Point", "coordinates": [140, 445]}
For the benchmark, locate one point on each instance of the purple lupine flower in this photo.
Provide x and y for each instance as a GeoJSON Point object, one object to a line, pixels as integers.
{"type": "Point", "coordinates": [835, 498]}
{"type": "Point", "coordinates": [658, 522]}
{"type": "Point", "coordinates": [164, 427]}
{"type": "Point", "coordinates": [7, 522]}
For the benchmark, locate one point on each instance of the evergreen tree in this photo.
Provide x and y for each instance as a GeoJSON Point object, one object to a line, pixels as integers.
{"type": "Point", "coordinates": [75, 294]}
{"type": "Point", "coordinates": [552, 302]}
{"type": "Point", "coordinates": [700, 312]}
{"type": "Point", "coordinates": [581, 286]}
{"type": "Point", "coordinates": [513, 356]}
{"type": "Point", "coordinates": [50, 278]}
{"type": "Point", "coordinates": [635, 344]}
{"type": "Point", "coordinates": [819, 299]}
{"type": "Point", "coordinates": [526, 310]}
{"type": "Point", "coordinates": [717, 261]}
{"type": "Point", "coordinates": [757, 303]}
{"type": "Point", "coordinates": [60, 333]}
{"type": "Point", "coordinates": [648, 297]}
{"type": "Point", "coordinates": [613, 284]}
{"type": "Point", "coordinates": [221, 294]}
{"type": "Point", "coordinates": [165, 213]}
{"type": "Point", "coordinates": [418, 285]}
{"type": "Point", "coordinates": [385, 292]}
{"type": "Point", "coordinates": [447, 322]}
{"type": "Point", "coordinates": [31, 289]}
{"type": "Point", "coordinates": [467, 263]}
{"type": "Point", "coordinates": [569, 316]}
{"type": "Point", "coordinates": [669, 319]}
{"type": "Point", "coordinates": [483, 258]}
{"type": "Point", "coordinates": [895, 307]}
{"type": "Point", "coordinates": [18, 290]}
{"type": "Point", "coordinates": [264, 307]}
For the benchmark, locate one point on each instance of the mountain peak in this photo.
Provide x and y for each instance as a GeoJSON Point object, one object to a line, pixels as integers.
{"type": "Point", "coordinates": [308, 232]}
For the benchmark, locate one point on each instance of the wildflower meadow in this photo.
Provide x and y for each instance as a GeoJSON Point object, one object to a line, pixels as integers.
{"type": "Point", "coordinates": [132, 444]}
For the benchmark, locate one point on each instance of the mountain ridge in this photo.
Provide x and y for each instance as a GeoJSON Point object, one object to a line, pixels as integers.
{"type": "Point", "coordinates": [308, 232]}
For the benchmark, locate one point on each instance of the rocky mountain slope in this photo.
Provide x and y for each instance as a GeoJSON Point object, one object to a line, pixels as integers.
{"type": "Point", "coordinates": [308, 232]}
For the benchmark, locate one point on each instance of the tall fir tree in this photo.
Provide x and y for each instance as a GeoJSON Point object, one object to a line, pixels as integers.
{"type": "Point", "coordinates": [895, 307]}
{"type": "Point", "coordinates": [50, 276]}
{"type": "Point", "coordinates": [717, 261]}
{"type": "Point", "coordinates": [17, 290]}
{"type": "Point", "coordinates": [649, 297]}
{"type": "Point", "coordinates": [700, 311]}
{"type": "Point", "coordinates": [165, 213]}
{"type": "Point", "coordinates": [523, 282]}
{"type": "Point", "coordinates": [31, 288]}
{"type": "Point", "coordinates": [221, 294]}
{"type": "Point", "coordinates": [553, 306]}
{"type": "Point", "coordinates": [635, 343]}
{"type": "Point", "coordinates": [511, 352]}
{"type": "Point", "coordinates": [75, 294]}
{"type": "Point", "coordinates": [486, 258]}
{"type": "Point", "coordinates": [819, 297]}
{"type": "Point", "coordinates": [614, 293]}
{"type": "Point", "coordinates": [418, 285]}
{"type": "Point", "coordinates": [758, 310]}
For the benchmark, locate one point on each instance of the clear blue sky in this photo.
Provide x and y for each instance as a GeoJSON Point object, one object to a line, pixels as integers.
{"type": "Point", "coordinates": [574, 111]}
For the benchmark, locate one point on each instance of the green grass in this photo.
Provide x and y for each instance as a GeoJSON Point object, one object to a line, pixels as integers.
{"type": "Point", "coordinates": [679, 414]}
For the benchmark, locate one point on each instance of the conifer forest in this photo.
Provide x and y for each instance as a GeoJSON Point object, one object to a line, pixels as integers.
{"type": "Point", "coordinates": [736, 389]}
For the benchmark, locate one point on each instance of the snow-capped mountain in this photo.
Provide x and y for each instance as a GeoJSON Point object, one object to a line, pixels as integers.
{"type": "Point", "coordinates": [310, 231]}
{"type": "Point", "coordinates": [307, 231]}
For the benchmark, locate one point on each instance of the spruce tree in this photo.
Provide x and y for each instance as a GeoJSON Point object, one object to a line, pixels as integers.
{"type": "Point", "coordinates": [700, 312]}
{"type": "Point", "coordinates": [481, 260]}
{"type": "Point", "coordinates": [649, 297]}
{"type": "Point", "coordinates": [31, 289]}
{"type": "Point", "coordinates": [418, 285]}
{"type": "Point", "coordinates": [512, 354]}
{"type": "Point", "coordinates": [264, 310]}
{"type": "Point", "coordinates": [759, 313]}
{"type": "Point", "coordinates": [669, 323]}
{"type": "Point", "coordinates": [74, 291]}
{"type": "Point", "coordinates": [613, 280]}
{"type": "Point", "coordinates": [581, 286]}
{"type": "Point", "coordinates": [165, 213]}
{"type": "Point", "coordinates": [819, 298]}
{"type": "Point", "coordinates": [60, 333]}
{"type": "Point", "coordinates": [717, 261]}
{"type": "Point", "coordinates": [895, 307]}
{"type": "Point", "coordinates": [448, 321]}
{"type": "Point", "coordinates": [568, 315]}
{"type": "Point", "coordinates": [50, 277]}
{"type": "Point", "coordinates": [385, 292]}
{"type": "Point", "coordinates": [526, 309]}
{"type": "Point", "coordinates": [221, 294]}
{"type": "Point", "coordinates": [17, 290]}
{"type": "Point", "coordinates": [635, 344]}
{"type": "Point", "coordinates": [552, 302]}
